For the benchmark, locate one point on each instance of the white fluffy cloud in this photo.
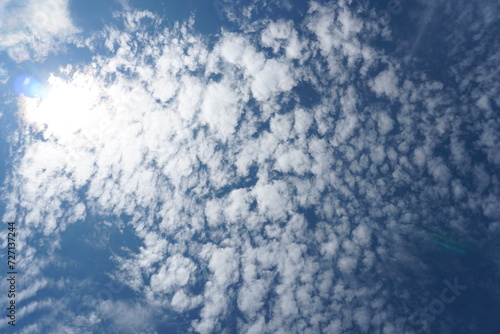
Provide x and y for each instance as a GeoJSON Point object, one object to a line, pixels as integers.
{"type": "Point", "coordinates": [241, 195]}
{"type": "Point", "coordinates": [386, 83]}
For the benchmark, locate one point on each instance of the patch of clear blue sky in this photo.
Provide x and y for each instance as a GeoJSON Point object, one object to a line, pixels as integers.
{"type": "Point", "coordinates": [93, 15]}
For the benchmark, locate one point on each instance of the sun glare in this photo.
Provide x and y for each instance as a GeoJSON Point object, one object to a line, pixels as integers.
{"type": "Point", "coordinates": [65, 109]}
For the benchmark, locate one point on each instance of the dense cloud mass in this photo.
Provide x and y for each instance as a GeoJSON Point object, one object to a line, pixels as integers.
{"type": "Point", "coordinates": [277, 178]}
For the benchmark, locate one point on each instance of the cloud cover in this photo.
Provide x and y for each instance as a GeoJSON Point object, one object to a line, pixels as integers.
{"type": "Point", "coordinates": [257, 210]}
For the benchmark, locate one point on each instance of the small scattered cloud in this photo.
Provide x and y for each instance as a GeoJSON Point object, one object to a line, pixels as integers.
{"type": "Point", "coordinates": [250, 207]}
{"type": "Point", "coordinates": [4, 74]}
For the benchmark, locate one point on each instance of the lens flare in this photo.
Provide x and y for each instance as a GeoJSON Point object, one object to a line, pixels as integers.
{"type": "Point", "coordinates": [446, 242]}
{"type": "Point", "coordinates": [27, 85]}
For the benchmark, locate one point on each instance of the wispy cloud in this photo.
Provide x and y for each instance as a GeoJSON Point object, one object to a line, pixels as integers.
{"type": "Point", "coordinates": [33, 29]}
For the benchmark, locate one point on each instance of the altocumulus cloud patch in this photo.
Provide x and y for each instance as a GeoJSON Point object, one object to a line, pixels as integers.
{"type": "Point", "coordinates": [224, 199]}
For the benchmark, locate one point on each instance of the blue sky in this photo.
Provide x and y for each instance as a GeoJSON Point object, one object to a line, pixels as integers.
{"type": "Point", "coordinates": [267, 166]}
